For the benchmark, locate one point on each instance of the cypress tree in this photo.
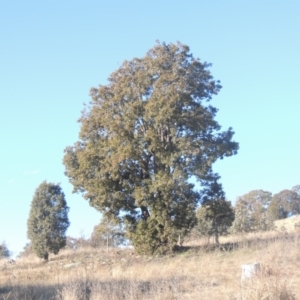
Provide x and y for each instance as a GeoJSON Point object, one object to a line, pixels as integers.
{"type": "Point", "coordinates": [48, 220]}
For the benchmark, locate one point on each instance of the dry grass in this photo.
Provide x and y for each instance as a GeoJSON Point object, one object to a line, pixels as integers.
{"type": "Point", "coordinates": [287, 224]}
{"type": "Point", "coordinates": [199, 272]}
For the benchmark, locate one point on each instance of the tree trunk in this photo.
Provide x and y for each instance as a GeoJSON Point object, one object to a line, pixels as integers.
{"type": "Point", "coordinates": [216, 233]}
{"type": "Point", "coordinates": [46, 256]}
{"type": "Point", "coordinates": [179, 242]}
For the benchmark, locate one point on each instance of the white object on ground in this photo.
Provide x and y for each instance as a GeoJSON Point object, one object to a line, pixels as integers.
{"type": "Point", "coordinates": [250, 270]}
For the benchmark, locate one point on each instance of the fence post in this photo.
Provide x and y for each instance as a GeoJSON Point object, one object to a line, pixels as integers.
{"type": "Point", "coordinates": [249, 271]}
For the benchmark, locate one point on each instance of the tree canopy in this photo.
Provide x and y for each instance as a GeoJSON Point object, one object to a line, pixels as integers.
{"type": "Point", "coordinates": [215, 215]}
{"type": "Point", "coordinates": [142, 138]}
{"type": "Point", "coordinates": [108, 233]}
{"type": "Point", "coordinates": [284, 204]}
{"type": "Point", "coordinates": [48, 220]}
{"type": "Point", "coordinates": [214, 218]}
{"type": "Point", "coordinates": [251, 212]}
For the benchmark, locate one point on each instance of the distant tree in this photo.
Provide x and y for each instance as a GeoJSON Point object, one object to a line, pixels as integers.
{"type": "Point", "coordinates": [214, 219]}
{"type": "Point", "coordinates": [4, 251]}
{"type": "Point", "coordinates": [216, 215]}
{"type": "Point", "coordinates": [48, 220]}
{"type": "Point", "coordinates": [296, 189]}
{"type": "Point", "coordinates": [251, 212]}
{"type": "Point", "coordinates": [108, 233]}
{"type": "Point", "coordinates": [284, 204]}
{"type": "Point", "coordinates": [203, 227]}
{"type": "Point", "coordinates": [143, 137]}
{"type": "Point", "coordinates": [76, 243]}
{"type": "Point", "coordinates": [27, 250]}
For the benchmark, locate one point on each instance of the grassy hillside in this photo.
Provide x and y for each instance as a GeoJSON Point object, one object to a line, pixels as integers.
{"type": "Point", "coordinates": [287, 224]}
{"type": "Point", "coordinates": [200, 271]}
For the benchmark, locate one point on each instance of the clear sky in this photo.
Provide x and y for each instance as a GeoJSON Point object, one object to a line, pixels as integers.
{"type": "Point", "coordinates": [53, 52]}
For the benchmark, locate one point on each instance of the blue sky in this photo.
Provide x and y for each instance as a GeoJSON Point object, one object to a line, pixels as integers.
{"type": "Point", "coordinates": [53, 52]}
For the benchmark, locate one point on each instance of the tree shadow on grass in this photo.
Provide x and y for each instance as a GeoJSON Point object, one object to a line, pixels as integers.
{"type": "Point", "coordinates": [29, 292]}
{"type": "Point", "coordinates": [244, 242]}
{"type": "Point", "coordinates": [84, 289]}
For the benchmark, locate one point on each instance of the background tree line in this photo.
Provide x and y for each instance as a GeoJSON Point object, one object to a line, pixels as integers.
{"type": "Point", "coordinates": [255, 211]}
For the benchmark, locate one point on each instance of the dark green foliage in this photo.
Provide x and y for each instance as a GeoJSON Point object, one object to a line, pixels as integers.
{"type": "Point", "coordinates": [251, 212]}
{"type": "Point", "coordinates": [151, 237]}
{"type": "Point", "coordinates": [214, 219]}
{"type": "Point", "coordinates": [142, 138]}
{"type": "Point", "coordinates": [284, 204]}
{"type": "Point", "coordinates": [204, 226]}
{"type": "Point", "coordinates": [216, 215]}
{"type": "Point", "coordinates": [4, 252]}
{"type": "Point", "coordinates": [48, 220]}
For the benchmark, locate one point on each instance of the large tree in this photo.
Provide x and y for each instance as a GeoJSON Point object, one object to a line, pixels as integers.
{"type": "Point", "coordinates": [144, 135]}
{"type": "Point", "coordinates": [48, 220]}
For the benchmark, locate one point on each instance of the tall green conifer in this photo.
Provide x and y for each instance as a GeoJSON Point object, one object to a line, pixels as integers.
{"type": "Point", "coordinates": [48, 220]}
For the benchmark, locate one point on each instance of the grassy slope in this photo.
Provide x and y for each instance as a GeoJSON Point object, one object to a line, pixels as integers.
{"type": "Point", "coordinates": [287, 224]}
{"type": "Point", "coordinates": [200, 272]}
